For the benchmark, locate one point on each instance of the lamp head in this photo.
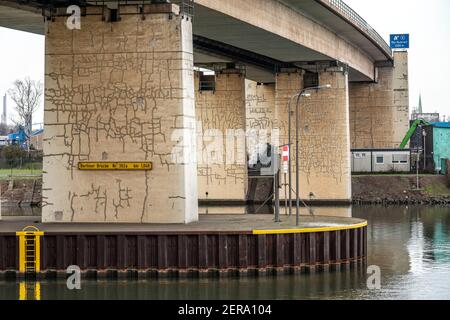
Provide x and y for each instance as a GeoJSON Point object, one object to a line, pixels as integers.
{"type": "Point", "coordinates": [326, 86]}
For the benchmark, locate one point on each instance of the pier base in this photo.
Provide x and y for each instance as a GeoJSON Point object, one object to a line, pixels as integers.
{"type": "Point", "coordinates": [224, 245]}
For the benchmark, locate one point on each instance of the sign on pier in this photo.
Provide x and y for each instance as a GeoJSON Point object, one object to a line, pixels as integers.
{"type": "Point", "coordinates": [399, 41]}
{"type": "Point", "coordinates": [115, 166]}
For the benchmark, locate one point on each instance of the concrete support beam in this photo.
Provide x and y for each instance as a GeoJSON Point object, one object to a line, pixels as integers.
{"type": "Point", "coordinates": [379, 112]}
{"type": "Point", "coordinates": [284, 21]}
{"type": "Point", "coordinates": [401, 96]}
{"type": "Point", "coordinates": [260, 114]}
{"type": "Point", "coordinates": [324, 156]}
{"type": "Point", "coordinates": [18, 16]}
{"type": "Point", "coordinates": [261, 131]}
{"type": "Point", "coordinates": [325, 140]}
{"type": "Point", "coordinates": [372, 113]}
{"type": "Point", "coordinates": [220, 113]}
{"type": "Point", "coordinates": [260, 105]}
{"type": "Point", "coordinates": [120, 91]}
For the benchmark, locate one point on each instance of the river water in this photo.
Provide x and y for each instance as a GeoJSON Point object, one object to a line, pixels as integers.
{"type": "Point", "coordinates": [410, 245]}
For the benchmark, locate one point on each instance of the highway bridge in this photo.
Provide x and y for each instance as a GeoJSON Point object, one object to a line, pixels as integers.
{"type": "Point", "coordinates": [268, 32]}
{"type": "Point", "coordinates": [123, 88]}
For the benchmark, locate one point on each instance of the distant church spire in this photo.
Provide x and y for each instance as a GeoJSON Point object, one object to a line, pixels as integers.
{"type": "Point", "coordinates": [419, 108]}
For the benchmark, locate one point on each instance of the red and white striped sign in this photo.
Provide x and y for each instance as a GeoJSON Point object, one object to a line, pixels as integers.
{"type": "Point", "coordinates": [285, 158]}
{"type": "Point", "coordinates": [285, 153]}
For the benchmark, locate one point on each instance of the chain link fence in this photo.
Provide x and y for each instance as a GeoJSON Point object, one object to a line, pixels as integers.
{"type": "Point", "coordinates": [20, 163]}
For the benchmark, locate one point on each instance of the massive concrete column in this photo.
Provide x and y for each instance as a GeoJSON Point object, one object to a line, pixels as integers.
{"type": "Point", "coordinates": [120, 91]}
{"type": "Point", "coordinates": [261, 119]}
{"type": "Point", "coordinates": [220, 113]}
{"type": "Point", "coordinates": [379, 112]}
{"type": "Point", "coordinates": [324, 157]}
{"type": "Point", "coordinates": [401, 96]}
{"type": "Point", "coordinates": [260, 106]}
{"type": "Point", "coordinates": [261, 130]}
{"type": "Point", "coordinates": [325, 140]}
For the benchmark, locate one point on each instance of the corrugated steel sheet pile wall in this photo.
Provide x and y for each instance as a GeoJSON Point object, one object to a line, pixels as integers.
{"type": "Point", "coordinates": [178, 254]}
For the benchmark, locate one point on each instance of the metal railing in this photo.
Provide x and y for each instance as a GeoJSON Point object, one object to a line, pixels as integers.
{"type": "Point", "coordinates": [342, 8]}
{"type": "Point", "coordinates": [186, 7]}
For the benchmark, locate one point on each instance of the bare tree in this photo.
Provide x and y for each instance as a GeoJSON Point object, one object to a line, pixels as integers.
{"type": "Point", "coordinates": [27, 95]}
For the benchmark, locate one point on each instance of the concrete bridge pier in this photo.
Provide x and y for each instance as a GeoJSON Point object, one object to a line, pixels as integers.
{"type": "Point", "coordinates": [220, 113]}
{"type": "Point", "coordinates": [379, 111]}
{"type": "Point", "coordinates": [120, 88]}
{"type": "Point", "coordinates": [325, 167]}
{"type": "Point", "coordinates": [287, 84]}
{"type": "Point", "coordinates": [260, 111]}
{"type": "Point", "coordinates": [324, 156]}
{"type": "Point", "coordinates": [324, 129]}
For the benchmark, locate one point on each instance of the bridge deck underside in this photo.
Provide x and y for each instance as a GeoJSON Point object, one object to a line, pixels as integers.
{"type": "Point", "coordinates": [217, 26]}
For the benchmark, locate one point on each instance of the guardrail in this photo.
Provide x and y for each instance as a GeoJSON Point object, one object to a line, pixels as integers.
{"type": "Point", "coordinates": [186, 7]}
{"type": "Point", "coordinates": [342, 8]}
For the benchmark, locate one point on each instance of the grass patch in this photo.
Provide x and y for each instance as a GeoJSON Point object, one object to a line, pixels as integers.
{"type": "Point", "coordinates": [437, 189]}
{"type": "Point", "coordinates": [8, 178]}
{"type": "Point", "coordinates": [20, 171]}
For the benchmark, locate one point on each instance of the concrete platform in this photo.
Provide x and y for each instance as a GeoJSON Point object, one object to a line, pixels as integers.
{"type": "Point", "coordinates": [217, 244]}
{"type": "Point", "coordinates": [206, 224]}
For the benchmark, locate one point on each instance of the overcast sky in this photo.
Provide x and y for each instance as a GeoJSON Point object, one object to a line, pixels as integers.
{"type": "Point", "coordinates": [22, 54]}
{"type": "Point", "coordinates": [428, 24]}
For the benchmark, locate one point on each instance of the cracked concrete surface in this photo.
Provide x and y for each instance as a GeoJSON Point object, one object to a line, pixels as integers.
{"type": "Point", "coordinates": [120, 91]}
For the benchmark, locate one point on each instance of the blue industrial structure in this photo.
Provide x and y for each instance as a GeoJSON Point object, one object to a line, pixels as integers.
{"type": "Point", "coordinates": [441, 145]}
{"type": "Point", "coordinates": [433, 140]}
{"type": "Point", "coordinates": [18, 138]}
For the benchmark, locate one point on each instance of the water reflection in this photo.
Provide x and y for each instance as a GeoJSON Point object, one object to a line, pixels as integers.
{"type": "Point", "coordinates": [328, 211]}
{"type": "Point", "coordinates": [312, 286]}
{"type": "Point", "coordinates": [14, 211]}
{"type": "Point", "coordinates": [412, 247]}
{"type": "Point", "coordinates": [416, 248]}
{"type": "Point", "coordinates": [340, 211]}
{"type": "Point", "coordinates": [29, 290]}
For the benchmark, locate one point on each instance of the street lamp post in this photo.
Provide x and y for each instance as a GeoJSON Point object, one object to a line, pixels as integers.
{"type": "Point", "coordinates": [417, 167]}
{"type": "Point", "coordinates": [302, 93]}
{"type": "Point", "coordinates": [424, 134]}
{"type": "Point", "coordinates": [297, 182]}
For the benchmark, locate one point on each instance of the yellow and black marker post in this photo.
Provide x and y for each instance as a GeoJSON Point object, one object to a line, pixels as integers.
{"type": "Point", "coordinates": [29, 249]}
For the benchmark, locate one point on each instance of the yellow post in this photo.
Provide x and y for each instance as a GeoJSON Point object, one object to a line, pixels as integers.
{"type": "Point", "coordinates": [22, 291]}
{"type": "Point", "coordinates": [21, 253]}
{"type": "Point", "coordinates": [37, 291]}
{"type": "Point", "coordinates": [24, 294]}
{"type": "Point", "coordinates": [37, 265]}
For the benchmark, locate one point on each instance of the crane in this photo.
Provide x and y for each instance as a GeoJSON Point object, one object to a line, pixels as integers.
{"type": "Point", "coordinates": [411, 131]}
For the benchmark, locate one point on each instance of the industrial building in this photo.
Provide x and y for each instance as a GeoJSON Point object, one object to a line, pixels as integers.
{"type": "Point", "coordinates": [439, 149]}
{"type": "Point", "coordinates": [20, 138]}
{"type": "Point", "coordinates": [381, 160]}
{"type": "Point", "coordinates": [37, 139]}
{"type": "Point", "coordinates": [433, 142]}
